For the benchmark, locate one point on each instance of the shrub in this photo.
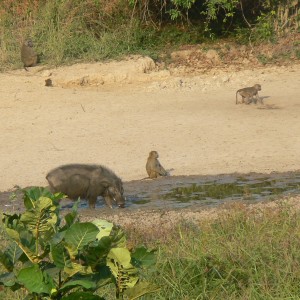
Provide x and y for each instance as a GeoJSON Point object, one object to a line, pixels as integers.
{"type": "Point", "coordinates": [67, 259]}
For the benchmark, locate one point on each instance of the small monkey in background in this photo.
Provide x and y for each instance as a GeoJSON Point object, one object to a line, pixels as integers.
{"type": "Point", "coordinates": [248, 93]}
{"type": "Point", "coordinates": [28, 55]}
{"type": "Point", "coordinates": [153, 166]}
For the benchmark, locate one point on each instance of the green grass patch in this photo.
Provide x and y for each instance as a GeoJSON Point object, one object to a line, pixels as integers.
{"type": "Point", "coordinates": [243, 255]}
{"type": "Point", "coordinates": [65, 32]}
{"type": "Point", "coordinates": [71, 31]}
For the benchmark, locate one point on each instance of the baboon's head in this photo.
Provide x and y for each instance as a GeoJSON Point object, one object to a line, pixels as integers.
{"type": "Point", "coordinates": [257, 87]}
{"type": "Point", "coordinates": [28, 43]}
{"type": "Point", "coordinates": [153, 154]}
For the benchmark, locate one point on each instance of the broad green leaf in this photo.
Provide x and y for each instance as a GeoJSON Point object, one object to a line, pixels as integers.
{"type": "Point", "coordinates": [60, 256]}
{"type": "Point", "coordinates": [30, 254]}
{"type": "Point", "coordinates": [95, 254]}
{"type": "Point", "coordinates": [82, 296]}
{"type": "Point", "coordinates": [24, 243]}
{"type": "Point", "coordinates": [36, 281]}
{"type": "Point", "coordinates": [52, 271]}
{"type": "Point", "coordinates": [87, 284]}
{"type": "Point", "coordinates": [6, 261]}
{"type": "Point", "coordinates": [72, 217]}
{"type": "Point", "coordinates": [43, 211]}
{"type": "Point", "coordinates": [33, 194]}
{"type": "Point", "coordinates": [79, 235]}
{"type": "Point", "coordinates": [8, 279]}
{"type": "Point", "coordinates": [118, 260]}
{"type": "Point", "coordinates": [10, 256]}
{"type": "Point", "coordinates": [57, 237]}
{"type": "Point", "coordinates": [13, 234]}
{"type": "Point", "coordinates": [26, 236]}
{"type": "Point", "coordinates": [140, 289]}
{"type": "Point", "coordinates": [41, 219]}
{"type": "Point", "coordinates": [143, 257]}
{"type": "Point", "coordinates": [14, 251]}
{"type": "Point", "coordinates": [104, 227]}
{"type": "Point", "coordinates": [11, 221]}
{"type": "Point", "coordinates": [77, 268]}
{"type": "Point", "coordinates": [118, 239]}
{"type": "Point", "coordinates": [120, 256]}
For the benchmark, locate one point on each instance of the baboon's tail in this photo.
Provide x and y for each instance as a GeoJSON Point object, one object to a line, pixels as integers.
{"type": "Point", "coordinates": [236, 99]}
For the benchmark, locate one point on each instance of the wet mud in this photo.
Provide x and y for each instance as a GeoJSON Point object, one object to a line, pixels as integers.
{"type": "Point", "coordinates": [189, 192]}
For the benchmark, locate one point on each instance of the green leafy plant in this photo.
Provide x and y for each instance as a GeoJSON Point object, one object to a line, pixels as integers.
{"type": "Point", "coordinates": [55, 258]}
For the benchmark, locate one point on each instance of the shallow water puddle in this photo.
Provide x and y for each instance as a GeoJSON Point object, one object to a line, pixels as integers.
{"type": "Point", "coordinates": [193, 191]}
{"type": "Point", "coordinates": [214, 190]}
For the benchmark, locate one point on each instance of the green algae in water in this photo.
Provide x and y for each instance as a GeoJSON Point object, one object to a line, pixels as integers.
{"type": "Point", "coordinates": [141, 201]}
{"type": "Point", "coordinates": [240, 189]}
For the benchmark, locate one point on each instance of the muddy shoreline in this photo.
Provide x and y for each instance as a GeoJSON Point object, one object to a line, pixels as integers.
{"type": "Point", "coordinates": [157, 196]}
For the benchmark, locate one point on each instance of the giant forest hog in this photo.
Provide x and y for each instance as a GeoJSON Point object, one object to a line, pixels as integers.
{"type": "Point", "coordinates": [88, 182]}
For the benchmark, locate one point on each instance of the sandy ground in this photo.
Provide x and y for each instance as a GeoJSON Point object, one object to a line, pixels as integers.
{"type": "Point", "coordinates": [114, 114]}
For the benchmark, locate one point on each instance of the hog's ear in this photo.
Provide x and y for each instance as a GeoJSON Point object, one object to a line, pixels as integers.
{"type": "Point", "coordinates": [111, 190]}
{"type": "Point", "coordinates": [106, 184]}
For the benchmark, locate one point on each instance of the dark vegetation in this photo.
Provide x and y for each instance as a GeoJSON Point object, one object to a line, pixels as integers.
{"type": "Point", "coordinates": [65, 31]}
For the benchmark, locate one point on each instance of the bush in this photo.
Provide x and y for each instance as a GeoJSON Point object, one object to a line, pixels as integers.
{"type": "Point", "coordinates": [65, 259]}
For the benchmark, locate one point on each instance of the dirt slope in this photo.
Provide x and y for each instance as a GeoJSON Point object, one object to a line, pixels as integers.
{"type": "Point", "coordinates": [114, 114]}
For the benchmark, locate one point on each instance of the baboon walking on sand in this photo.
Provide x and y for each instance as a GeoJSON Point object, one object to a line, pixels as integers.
{"type": "Point", "coordinates": [248, 93]}
{"type": "Point", "coordinates": [153, 166]}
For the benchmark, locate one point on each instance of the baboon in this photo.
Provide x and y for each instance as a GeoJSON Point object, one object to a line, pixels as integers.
{"type": "Point", "coordinates": [153, 166]}
{"type": "Point", "coordinates": [48, 82]}
{"type": "Point", "coordinates": [88, 182]}
{"type": "Point", "coordinates": [248, 93]}
{"type": "Point", "coordinates": [28, 55]}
